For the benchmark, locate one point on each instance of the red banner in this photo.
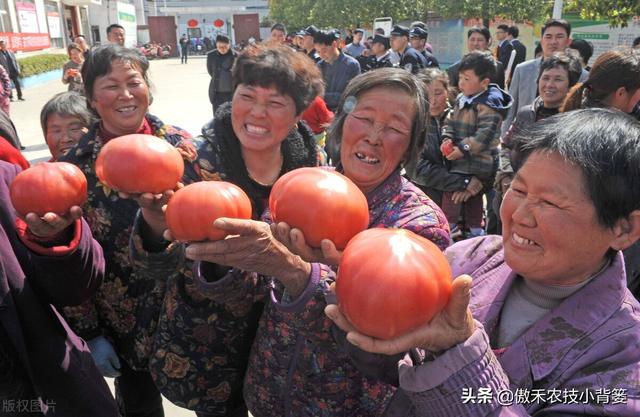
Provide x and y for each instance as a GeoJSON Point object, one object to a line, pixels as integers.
{"type": "Point", "coordinates": [26, 41]}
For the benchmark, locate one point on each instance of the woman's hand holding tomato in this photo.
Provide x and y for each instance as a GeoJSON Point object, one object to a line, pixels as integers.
{"type": "Point", "coordinates": [295, 241]}
{"type": "Point", "coordinates": [251, 246]}
{"type": "Point", "coordinates": [152, 208]}
{"type": "Point", "coordinates": [451, 326]}
{"type": "Point", "coordinates": [51, 224]}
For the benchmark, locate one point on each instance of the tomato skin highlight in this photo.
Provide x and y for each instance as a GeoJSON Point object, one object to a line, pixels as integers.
{"type": "Point", "coordinates": [139, 164]}
{"type": "Point", "coordinates": [322, 203]}
{"type": "Point", "coordinates": [193, 209]}
{"type": "Point", "coordinates": [391, 281]}
{"type": "Point", "coordinates": [48, 187]}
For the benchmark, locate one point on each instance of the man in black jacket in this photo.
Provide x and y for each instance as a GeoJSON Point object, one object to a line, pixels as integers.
{"type": "Point", "coordinates": [410, 59]}
{"type": "Point", "coordinates": [219, 63]}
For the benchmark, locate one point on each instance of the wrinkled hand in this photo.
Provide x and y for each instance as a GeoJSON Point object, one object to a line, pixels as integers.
{"type": "Point", "coordinates": [252, 247]}
{"type": "Point", "coordinates": [51, 224]}
{"type": "Point", "coordinates": [104, 356]}
{"type": "Point", "coordinates": [460, 197]}
{"type": "Point", "coordinates": [294, 240]}
{"type": "Point", "coordinates": [474, 186]}
{"type": "Point", "coordinates": [453, 325]}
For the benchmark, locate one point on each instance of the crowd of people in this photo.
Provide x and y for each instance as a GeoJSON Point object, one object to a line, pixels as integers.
{"type": "Point", "coordinates": [532, 193]}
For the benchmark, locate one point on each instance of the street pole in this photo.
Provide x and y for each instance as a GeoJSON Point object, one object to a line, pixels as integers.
{"type": "Point", "coordinates": [557, 9]}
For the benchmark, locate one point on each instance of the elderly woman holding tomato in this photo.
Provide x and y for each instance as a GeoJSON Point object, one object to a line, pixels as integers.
{"type": "Point", "coordinates": [548, 308]}
{"type": "Point", "coordinates": [296, 367]}
{"type": "Point", "coordinates": [202, 346]}
{"type": "Point", "coordinates": [119, 324]}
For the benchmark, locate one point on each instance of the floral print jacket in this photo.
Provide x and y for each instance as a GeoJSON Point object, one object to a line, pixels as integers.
{"type": "Point", "coordinates": [126, 306]}
{"type": "Point", "coordinates": [298, 367]}
{"type": "Point", "coordinates": [201, 348]}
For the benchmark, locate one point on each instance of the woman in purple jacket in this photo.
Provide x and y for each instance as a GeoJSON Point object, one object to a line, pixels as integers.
{"type": "Point", "coordinates": [547, 326]}
{"type": "Point", "coordinates": [45, 369]}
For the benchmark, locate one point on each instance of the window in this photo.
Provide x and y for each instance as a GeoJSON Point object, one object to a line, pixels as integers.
{"type": "Point", "coordinates": [5, 20]}
{"type": "Point", "coordinates": [54, 22]}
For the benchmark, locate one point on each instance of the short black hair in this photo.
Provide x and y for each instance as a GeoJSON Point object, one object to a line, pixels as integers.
{"type": "Point", "coordinates": [481, 30]}
{"type": "Point", "coordinates": [561, 23]}
{"type": "Point", "coordinates": [584, 48]}
{"type": "Point", "coordinates": [514, 31]}
{"type": "Point", "coordinates": [80, 36]}
{"type": "Point", "coordinates": [281, 67]}
{"type": "Point", "coordinates": [481, 62]}
{"type": "Point", "coordinates": [567, 62]}
{"type": "Point", "coordinates": [280, 27]}
{"type": "Point", "coordinates": [636, 42]}
{"type": "Point", "coordinates": [504, 27]}
{"type": "Point", "coordinates": [101, 59]}
{"type": "Point", "coordinates": [604, 144]}
{"type": "Point", "coordinates": [114, 26]}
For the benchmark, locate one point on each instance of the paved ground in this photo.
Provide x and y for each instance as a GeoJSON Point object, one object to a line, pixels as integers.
{"type": "Point", "coordinates": [180, 97]}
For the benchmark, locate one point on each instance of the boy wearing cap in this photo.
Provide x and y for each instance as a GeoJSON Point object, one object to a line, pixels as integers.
{"type": "Point", "coordinates": [380, 53]}
{"type": "Point", "coordinates": [356, 47]}
{"type": "Point", "coordinates": [410, 59]}
{"type": "Point", "coordinates": [337, 68]}
{"type": "Point", "coordinates": [219, 63]}
{"type": "Point", "coordinates": [418, 42]}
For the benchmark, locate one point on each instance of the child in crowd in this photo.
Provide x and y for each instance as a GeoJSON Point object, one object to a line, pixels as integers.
{"type": "Point", "coordinates": [471, 137]}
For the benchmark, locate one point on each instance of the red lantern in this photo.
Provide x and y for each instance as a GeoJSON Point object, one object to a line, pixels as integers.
{"type": "Point", "coordinates": [192, 23]}
{"type": "Point", "coordinates": [218, 23]}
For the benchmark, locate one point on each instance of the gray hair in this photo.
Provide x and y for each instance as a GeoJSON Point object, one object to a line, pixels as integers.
{"type": "Point", "coordinates": [69, 103]}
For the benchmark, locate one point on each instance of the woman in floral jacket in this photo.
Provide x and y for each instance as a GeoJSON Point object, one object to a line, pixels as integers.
{"type": "Point", "coordinates": [202, 346]}
{"type": "Point", "coordinates": [119, 323]}
{"type": "Point", "coordinates": [296, 367]}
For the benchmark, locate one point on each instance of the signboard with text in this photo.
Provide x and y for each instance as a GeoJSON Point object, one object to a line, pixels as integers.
{"type": "Point", "coordinates": [127, 19]}
{"type": "Point", "coordinates": [26, 41]}
{"type": "Point", "coordinates": [27, 17]}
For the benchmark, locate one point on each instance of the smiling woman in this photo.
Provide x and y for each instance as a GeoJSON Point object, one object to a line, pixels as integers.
{"type": "Point", "coordinates": [117, 90]}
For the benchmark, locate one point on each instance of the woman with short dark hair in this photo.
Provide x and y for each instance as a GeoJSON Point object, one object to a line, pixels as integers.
{"type": "Point", "coordinates": [548, 308]}
{"type": "Point", "coordinates": [120, 322]}
{"type": "Point", "coordinates": [202, 346]}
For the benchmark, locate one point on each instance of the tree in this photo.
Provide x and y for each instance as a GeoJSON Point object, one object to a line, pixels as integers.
{"type": "Point", "coordinates": [617, 12]}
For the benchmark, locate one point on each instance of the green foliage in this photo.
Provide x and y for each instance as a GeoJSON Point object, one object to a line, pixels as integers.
{"type": "Point", "coordinates": [518, 10]}
{"type": "Point", "coordinates": [340, 13]}
{"type": "Point", "coordinates": [617, 12]}
{"type": "Point", "coordinates": [37, 64]}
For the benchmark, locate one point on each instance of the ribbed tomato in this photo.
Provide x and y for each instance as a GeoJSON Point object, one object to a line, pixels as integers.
{"type": "Point", "coordinates": [139, 164]}
{"type": "Point", "coordinates": [322, 203]}
{"type": "Point", "coordinates": [48, 187]}
{"type": "Point", "coordinates": [391, 281]}
{"type": "Point", "coordinates": [193, 209]}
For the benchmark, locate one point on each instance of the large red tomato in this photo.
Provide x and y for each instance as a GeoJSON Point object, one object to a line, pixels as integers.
{"type": "Point", "coordinates": [193, 209]}
{"type": "Point", "coordinates": [322, 203]}
{"type": "Point", "coordinates": [391, 281]}
{"type": "Point", "coordinates": [48, 187]}
{"type": "Point", "coordinates": [139, 164]}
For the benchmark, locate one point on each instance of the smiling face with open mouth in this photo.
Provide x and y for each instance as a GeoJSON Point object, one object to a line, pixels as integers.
{"type": "Point", "coordinates": [550, 230]}
{"type": "Point", "coordinates": [121, 98]}
{"type": "Point", "coordinates": [261, 117]}
{"type": "Point", "coordinates": [376, 136]}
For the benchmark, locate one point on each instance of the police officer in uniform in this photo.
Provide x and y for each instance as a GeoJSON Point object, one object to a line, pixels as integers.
{"type": "Point", "coordinates": [379, 56]}
{"type": "Point", "coordinates": [418, 42]}
{"type": "Point", "coordinates": [307, 43]}
{"type": "Point", "coordinates": [410, 59]}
